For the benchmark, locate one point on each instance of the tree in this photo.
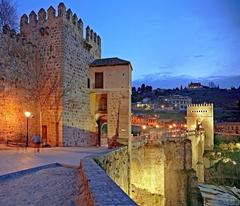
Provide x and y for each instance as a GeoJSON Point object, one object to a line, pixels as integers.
{"type": "Point", "coordinates": [133, 89]}
{"type": "Point", "coordinates": [143, 87]}
{"type": "Point", "coordinates": [8, 14]}
{"type": "Point", "coordinates": [212, 85]}
{"type": "Point", "coordinates": [148, 88]}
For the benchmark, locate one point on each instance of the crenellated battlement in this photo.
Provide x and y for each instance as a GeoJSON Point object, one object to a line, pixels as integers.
{"type": "Point", "coordinates": [28, 23]}
{"type": "Point", "coordinates": [92, 36]}
{"type": "Point", "coordinates": [11, 34]}
{"type": "Point", "coordinates": [201, 105]}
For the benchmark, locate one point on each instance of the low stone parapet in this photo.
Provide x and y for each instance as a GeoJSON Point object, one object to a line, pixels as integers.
{"type": "Point", "coordinates": [98, 188]}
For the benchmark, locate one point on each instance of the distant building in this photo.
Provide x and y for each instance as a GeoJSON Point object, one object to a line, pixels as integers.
{"type": "Point", "coordinates": [178, 102]}
{"type": "Point", "coordinates": [232, 128]}
{"type": "Point", "coordinates": [142, 106]}
{"type": "Point", "coordinates": [163, 106]}
{"type": "Point", "coordinates": [194, 85]}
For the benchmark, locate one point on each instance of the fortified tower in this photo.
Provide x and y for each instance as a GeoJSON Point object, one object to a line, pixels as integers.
{"type": "Point", "coordinates": [64, 55]}
{"type": "Point", "coordinates": [200, 116]}
{"type": "Point", "coordinates": [45, 70]}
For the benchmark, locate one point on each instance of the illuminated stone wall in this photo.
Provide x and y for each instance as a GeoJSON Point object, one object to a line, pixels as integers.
{"type": "Point", "coordinates": [56, 50]}
{"type": "Point", "coordinates": [79, 126]}
{"type": "Point", "coordinates": [117, 165]}
{"type": "Point", "coordinates": [147, 175]}
{"type": "Point", "coordinates": [160, 172]}
{"type": "Point", "coordinates": [197, 139]}
{"type": "Point", "coordinates": [67, 54]}
{"type": "Point", "coordinates": [202, 114]}
{"type": "Point", "coordinates": [17, 58]}
{"type": "Point", "coordinates": [45, 30]}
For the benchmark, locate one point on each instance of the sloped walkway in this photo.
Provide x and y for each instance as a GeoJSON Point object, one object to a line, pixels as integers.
{"type": "Point", "coordinates": [50, 186]}
{"type": "Point", "coordinates": [15, 159]}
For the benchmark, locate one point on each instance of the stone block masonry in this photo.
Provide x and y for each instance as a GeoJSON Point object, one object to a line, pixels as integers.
{"type": "Point", "coordinates": [17, 57]}
{"type": "Point", "coordinates": [200, 116]}
{"type": "Point", "coordinates": [160, 172]}
{"type": "Point", "coordinates": [99, 189]}
{"type": "Point", "coordinates": [45, 71]}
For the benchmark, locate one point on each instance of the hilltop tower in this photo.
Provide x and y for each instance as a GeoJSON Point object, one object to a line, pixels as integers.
{"type": "Point", "coordinates": [200, 116]}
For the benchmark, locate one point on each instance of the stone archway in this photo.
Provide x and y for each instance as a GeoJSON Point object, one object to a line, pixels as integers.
{"type": "Point", "coordinates": [104, 132]}
{"type": "Point", "coordinates": [101, 121]}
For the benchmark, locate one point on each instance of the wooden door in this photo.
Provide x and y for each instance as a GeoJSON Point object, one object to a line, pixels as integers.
{"type": "Point", "coordinates": [44, 133]}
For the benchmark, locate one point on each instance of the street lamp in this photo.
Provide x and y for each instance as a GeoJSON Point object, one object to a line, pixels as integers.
{"type": "Point", "coordinates": [27, 115]}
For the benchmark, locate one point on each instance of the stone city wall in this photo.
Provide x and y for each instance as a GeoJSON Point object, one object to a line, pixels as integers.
{"type": "Point", "coordinates": [181, 186]}
{"type": "Point", "coordinates": [197, 139]}
{"type": "Point", "coordinates": [118, 102]}
{"type": "Point", "coordinates": [53, 58]}
{"type": "Point", "coordinates": [79, 126]}
{"type": "Point", "coordinates": [64, 49]}
{"type": "Point", "coordinates": [16, 95]}
{"type": "Point", "coordinates": [160, 172]}
{"type": "Point", "coordinates": [147, 175]}
{"type": "Point", "coordinates": [116, 164]}
{"type": "Point", "coordinates": [99, 188]}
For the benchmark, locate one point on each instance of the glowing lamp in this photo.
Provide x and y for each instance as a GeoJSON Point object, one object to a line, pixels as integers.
{"type": "Point", "coordinates": [170, 127]}
{"type": "Point", "coordinates": [27, 114]}
{"type": "Point", "coordinates": [157, 126]}
{"type": "Point", "coordinates": [144, 127]}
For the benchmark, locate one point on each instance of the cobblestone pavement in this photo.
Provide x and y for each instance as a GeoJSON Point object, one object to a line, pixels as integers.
{"type": "Point", "coordinates": [52, 186]}
{"type": "Point", "coordinates": [13, 159]}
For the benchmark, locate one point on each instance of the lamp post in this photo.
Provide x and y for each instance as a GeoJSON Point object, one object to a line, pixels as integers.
{"type": "Point", "coordinates": [27, 115]}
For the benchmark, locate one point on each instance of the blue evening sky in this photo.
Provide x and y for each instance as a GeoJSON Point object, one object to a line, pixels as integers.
{"type": "Point", "coordinates": [174, 40]}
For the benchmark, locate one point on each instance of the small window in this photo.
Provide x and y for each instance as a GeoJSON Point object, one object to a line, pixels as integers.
{"type": "Point", "coordinates": [99, 80]}
{"type": "Point", "coordinates": [88, 83]}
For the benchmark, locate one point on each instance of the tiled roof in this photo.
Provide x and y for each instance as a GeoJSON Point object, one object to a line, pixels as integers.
{"type": "Point", "coordinates": [109, 62]}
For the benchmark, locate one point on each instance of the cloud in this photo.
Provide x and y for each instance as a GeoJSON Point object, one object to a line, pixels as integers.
{"type": "Point", "coordinates": [168, 80]}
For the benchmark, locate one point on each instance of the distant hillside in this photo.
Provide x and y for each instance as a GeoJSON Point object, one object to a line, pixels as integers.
{"type": "Point", "coordinates": [169, 81]}
{"type": "Point", "coordinates": [226, 101]}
